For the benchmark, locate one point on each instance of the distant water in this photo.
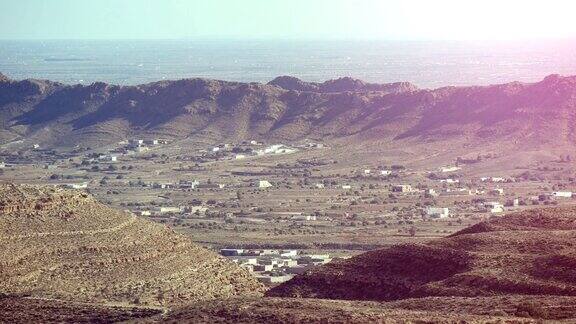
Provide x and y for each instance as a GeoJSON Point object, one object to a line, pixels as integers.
{"type": "Point", "coordinates": [427, 64]}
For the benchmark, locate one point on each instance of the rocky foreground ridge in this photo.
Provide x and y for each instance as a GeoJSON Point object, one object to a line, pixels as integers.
{"type": "Point", "coordinates": [525, 253]}
{"type": "Point", "coordinates": [63, 244]}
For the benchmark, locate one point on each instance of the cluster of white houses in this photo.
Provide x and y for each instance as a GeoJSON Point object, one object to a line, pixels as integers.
{"type": "Point", "coordinates": [173, 210]}
{"type": "Point", "coordinates": [272, 266]}
{"type": "Point", "coordinates": [142, 145]}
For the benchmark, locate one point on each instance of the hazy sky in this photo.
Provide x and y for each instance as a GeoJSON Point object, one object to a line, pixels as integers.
{"type": "Point", "coordinates": [382, 19]}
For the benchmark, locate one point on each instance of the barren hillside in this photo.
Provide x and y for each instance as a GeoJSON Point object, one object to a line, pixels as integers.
{"type": "Point", "coordinates": [516, 115]}
{"type": "Point", "coordinates": [64, 244]}
{"type": "Point", "coordinates": [526, 253]}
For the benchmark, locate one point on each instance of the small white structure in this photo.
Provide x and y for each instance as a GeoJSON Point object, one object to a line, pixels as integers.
{"type": "Point", "coordinates": [288, 253]}
{"type": "Point", "coordinates": [273, 279]}
{"type": "Point", "coordinates": [162, 185]}
{"type": "Point", "coordinates": [562, 194]}
{"type": "Point", "coordinates": [438, 212]}
{"type": "Point", "coordinates": [449, 169]}
{"type": "Point", "coordinates": [198, 209]}
{"type": "Point", "coordinates": [432, 192]}
{"type": "Point", "coordinates": [2, 165]}
{"type": "Point", "coordinates": [319, 186]}
{"type": "Point", "coordinates": [263, 184]}
{"type": "Point", "coordinates": [36, 146]}
{"type": "Point", "coordinates": [386, 172]}
{"type": "Point", "coordinates": [109, 158]}
{"type": "Point", "coordinates": [304, 217]}
{"type": "Point", "coordinates": [145, 213]}
{"type": "Point", "coordinates": [346, 187]}
{"type": "Point", "coordinates": [135, 142]}
{"type": "Point", "coordinates": [152, 142]}
{"type": "Point", "coordinates": [166, 210]}
{"type": "Point", "coordinates": [215, 149]}
{"type": "Point", "coordinates": [189, 184]}
{"type": "Point", "coordinates": [494, 207]}
{"type": "Point", "coordinates": [492, 179]}
{"type": "Point", "coordinates": [141, 149]}
{"type": "Point", "coordinates": [240, 156]}
{"type": "Point", "coordinates": [367, 171]}
{"type": "Point", "coordinates": [497, 191]}
{"type": "Point", "coordinates": [82, 185]}
{"type": "Point", "coordinates": [449, 180]}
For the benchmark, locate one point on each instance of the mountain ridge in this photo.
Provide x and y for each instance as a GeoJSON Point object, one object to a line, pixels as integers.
{"type": "Point", "coordinates": [287, 109]}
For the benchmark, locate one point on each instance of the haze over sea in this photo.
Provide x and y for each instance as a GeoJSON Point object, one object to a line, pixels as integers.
{"type": "Point", "coordinates": [427, 64]}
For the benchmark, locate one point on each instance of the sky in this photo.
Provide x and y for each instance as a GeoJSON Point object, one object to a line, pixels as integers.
{"type": "Point", "coordinates": [288, 19]}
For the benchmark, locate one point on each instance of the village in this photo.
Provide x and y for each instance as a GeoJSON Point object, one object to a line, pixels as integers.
{"type": "Point", "coordinates": [279, 208]}
{"type": "Point", "coordinates": [272, 266]}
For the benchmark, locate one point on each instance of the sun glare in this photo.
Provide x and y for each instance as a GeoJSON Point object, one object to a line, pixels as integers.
{"type": "Point", "coordinates": [490, 19]}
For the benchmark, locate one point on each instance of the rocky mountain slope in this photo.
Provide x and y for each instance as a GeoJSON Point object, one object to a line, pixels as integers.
{"type": "Point", "coordinates": [522, 115]}
{"type": "Point", "coordinates": [63, 244]}
{"type": "Point", "coordinates": [526, 253]}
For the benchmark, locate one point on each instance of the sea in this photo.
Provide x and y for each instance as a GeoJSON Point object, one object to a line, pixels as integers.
{"type": "Point", "coordinates": [428, 64]}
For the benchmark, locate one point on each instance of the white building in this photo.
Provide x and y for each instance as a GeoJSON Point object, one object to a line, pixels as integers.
{"type": "Point", "coordinates": [240, 156]}
{"type": "Point", "coordinates": [273, 279]}
{"type": "Point", "coordinates": [386, 172]}
{"type": "Point", "coordinates": [109, 158]}
{"type": "Point", "coordinates": [438, 212]}
{"type": "Point", "coordinates": [166, 210]}
{"type": "Point", "coordinates": [449, 180]}
{"type": "Point", "coordinates": [198, 209]}
{"type": "Point", "coordinates": [492, 179]}
{"type": "Point", "coordinates": [304, 217]}
{"type": "Point", "coordinates": [494, 207]}
{"type": "Point", "coordinates": [82, 185]}
{"type": "Point", "coordinates": [346, 187]}
{"type": "Point", "coordinates": [288, 253]}
{"type": "Point", "coordinates": [135, 142]}
{"type": "Point", "coordinates": [319, 186]}
{"type": "Point", "coordinates": [162, 185]}
{"type": "Point", "coordinates": [497, 191]}
{"type": "Point", "coordinates": [449, 169]}
{"type": "Point", "coordinates": [263, 184]}
{"type": "Point", "coordinates": [562, 194]}
{"type": "Point", "coordinates": [367, 171]}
